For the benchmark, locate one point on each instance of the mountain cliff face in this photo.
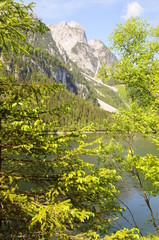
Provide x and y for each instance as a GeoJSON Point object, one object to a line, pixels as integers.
{"type": "Point", "coordinates": [72, 43]}
{"type": "Point", "coordinates": [74, 61]}
{"type": "Point", "coordinates": [66, 35]}
{"type": "Point", "coordinates": [102, 53]}
{"type": "Point", "coordinates": [68, 42]}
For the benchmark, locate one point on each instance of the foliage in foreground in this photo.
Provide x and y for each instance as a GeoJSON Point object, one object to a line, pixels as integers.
{"type": "Point", "coordinates": [47, 190]}
{"type": "Point", "coordinates": [45, 186]}
{"type": "Point", "coordinates": [138, 69]}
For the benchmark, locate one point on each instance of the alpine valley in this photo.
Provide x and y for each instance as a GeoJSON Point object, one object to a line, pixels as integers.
{"type": "Point", "coordinates": [64, 55]}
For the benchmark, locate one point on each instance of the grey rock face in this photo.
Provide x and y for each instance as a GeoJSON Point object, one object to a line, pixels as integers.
{"type": "Point", "coordinates": [84, 58]}
{"type": "Point", "coordinates": [102, 53]}
{"type": "Point", "coordinates": [72, 43]}
{"type": "Point", "coordinates": [67, 35]}
{"type": "Point", "coordinates": [63, 76]}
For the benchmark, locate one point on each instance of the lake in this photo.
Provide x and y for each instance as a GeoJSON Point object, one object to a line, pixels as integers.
{"type": "Point", "coordinates": [131, 194]}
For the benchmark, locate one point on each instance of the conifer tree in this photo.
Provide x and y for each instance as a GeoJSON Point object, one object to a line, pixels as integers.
{"type": "Point", "coordinates": [46, 189]}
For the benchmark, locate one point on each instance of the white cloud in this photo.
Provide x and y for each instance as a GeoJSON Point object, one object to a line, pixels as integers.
{"type": "Point", "coordinates": [133, 10]}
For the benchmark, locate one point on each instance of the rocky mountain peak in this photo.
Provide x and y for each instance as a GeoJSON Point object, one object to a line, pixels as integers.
{"type": "Point", "coordinates": [66, 35]}
{"type": "Point", "coordinates": [74, 24]}
{"type": "Point", "coordinates": [97, 46]}
{"type": "Point", "coordinates": [101, 51]}
{"type": "Point", "coordinates": [72, 43]}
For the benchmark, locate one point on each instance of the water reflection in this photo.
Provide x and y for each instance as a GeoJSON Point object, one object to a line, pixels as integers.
{"type": "Point", "coordinates": [131, 194]}
{"type": "Point", "coordinates": [132, 197]}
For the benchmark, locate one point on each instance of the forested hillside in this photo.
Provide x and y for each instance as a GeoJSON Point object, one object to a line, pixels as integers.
{"type": "Point", "coordinates": [41, 66]}
{"type": "Point", "coordinates": [79, 113]}
{"type": "Point", "coordinates": [45, 62]}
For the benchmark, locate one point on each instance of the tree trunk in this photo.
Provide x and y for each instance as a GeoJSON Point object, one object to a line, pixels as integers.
{"type": "Point", "coordinates": [147, 201]}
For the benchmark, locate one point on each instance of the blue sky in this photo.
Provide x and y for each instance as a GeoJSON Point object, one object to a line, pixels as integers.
{"type": "Point", "coordinates": [98, 17]}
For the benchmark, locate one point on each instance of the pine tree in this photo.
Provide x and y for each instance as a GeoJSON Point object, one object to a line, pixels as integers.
{"type": "Point", "coordinates": [46, 189]}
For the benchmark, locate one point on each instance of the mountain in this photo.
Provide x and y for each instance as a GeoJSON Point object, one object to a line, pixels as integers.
{"type": "Point", "coordinates": [64, 55]}
{"type": "Point", "coordinates": [72, 43]}
{"type": "Point", "coordinates": [102, 53]}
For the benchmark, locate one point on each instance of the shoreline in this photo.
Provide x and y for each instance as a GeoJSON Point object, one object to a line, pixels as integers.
{"type": "Point", "coordinates": [76, 132]}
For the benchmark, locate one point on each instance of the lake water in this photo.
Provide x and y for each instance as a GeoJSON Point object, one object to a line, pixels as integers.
{"type": "Point", "coordinates": [132, 197]}
{"type": "Point", "coordinates": [131, 194]}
